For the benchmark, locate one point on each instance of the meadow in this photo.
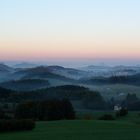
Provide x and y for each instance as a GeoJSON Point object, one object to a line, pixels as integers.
{"type": "Point", "coordinates": [125, 128]}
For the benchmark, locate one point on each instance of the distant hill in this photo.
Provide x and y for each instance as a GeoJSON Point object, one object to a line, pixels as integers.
{"type": "Point", "coordinates": [5, 72]}
{"type": "Point", "coordinates": [25, 65]}
{"type": "Point", "coordinates": [107, 71]}
{"type": "Point", "coordinates": [124, 79]}
{"type": "Point", "coordinates": [58, 75]}
{"type": "Point", "coordinates": [67, 72]}
{"type": "Point", "coordinates": [26, 84]}
{"type": "Point", "coordinates": [4, 68]}
{"type": "Point", "coordinates": [42, 72]}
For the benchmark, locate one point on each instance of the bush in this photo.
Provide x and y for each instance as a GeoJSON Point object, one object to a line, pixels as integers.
{"type": "Point", "coordinates": [107, 117]}
{"type": "Point", "coordinates": [87, 116]}
{"type": "Point", "coordinates": [16, 125]}
{"type": "Point", "coordinates": [122, 112]}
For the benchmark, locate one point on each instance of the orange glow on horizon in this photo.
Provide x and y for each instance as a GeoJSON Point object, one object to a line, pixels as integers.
{"type": "Point", "coordinates": [70, 49]}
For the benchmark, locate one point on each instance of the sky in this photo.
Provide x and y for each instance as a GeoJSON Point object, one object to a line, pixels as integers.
{"type": "Point", "coordinates": [70, 30]}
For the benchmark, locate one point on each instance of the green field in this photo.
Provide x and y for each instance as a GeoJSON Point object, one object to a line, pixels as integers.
{"type": "Point", "coordinates": [79, 130]}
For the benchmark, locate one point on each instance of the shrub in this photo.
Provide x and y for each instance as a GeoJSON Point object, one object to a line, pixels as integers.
{"type": "Point", "coordinates": [87, 116]}
{"type": "Point", "coordinates": [107, 117]}
{"type": "Point", "coordinates": [16, 125]}
{"type": "Point", "coordinates": [122, 112]}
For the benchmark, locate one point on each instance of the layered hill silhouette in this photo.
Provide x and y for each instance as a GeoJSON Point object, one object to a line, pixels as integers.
{"type": "Point", "coordinates": [25, 79]}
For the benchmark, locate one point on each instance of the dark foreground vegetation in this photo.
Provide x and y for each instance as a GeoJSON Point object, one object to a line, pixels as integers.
{"type": "Point", "coordinates": [58, 103]}
{"type": "Point", "coordinates": [16, 125]}
{"type": "Point", "coordinates": [27, 113]}
{"type": "Point", "coordinates": [47, 110]}
{"type": "Point", "coordinates": [89, 99]}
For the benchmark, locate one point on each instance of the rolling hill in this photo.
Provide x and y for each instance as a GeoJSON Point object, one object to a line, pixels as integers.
{"type": "Point", "coordinates": [25, 84]}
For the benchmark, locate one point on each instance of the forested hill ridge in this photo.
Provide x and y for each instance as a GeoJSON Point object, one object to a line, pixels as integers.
{"type": "Point", "coordinates": [82, 98]}
{"type": "Point", "coordinates": [26, 84]}
{"type": "Point", "coordinates": [123, 79]}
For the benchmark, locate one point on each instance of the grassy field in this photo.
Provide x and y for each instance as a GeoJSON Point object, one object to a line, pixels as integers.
{"type": "Point", "coordinates": [132, 117]}
{"type": "Point", "coordinates": [79, 130]}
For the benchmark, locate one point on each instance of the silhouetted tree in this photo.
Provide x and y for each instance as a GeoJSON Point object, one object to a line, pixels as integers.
{"type": "Point", "coordinates": [2, 114]}
{"type": "Point", "coordinates": [68, 109]}
{"type": "Point", "coordinates": [53, 109]}
{"type": "Point", "coordinates": [27, 110]}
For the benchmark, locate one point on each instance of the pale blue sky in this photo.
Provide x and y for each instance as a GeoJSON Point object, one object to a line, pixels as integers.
{"type": "Point", "coordinates": [101, 24]}
{"type": "Point", "coordinates": [70, 16]}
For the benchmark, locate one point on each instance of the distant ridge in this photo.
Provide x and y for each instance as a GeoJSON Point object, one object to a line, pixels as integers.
{"type": "Point", "coordinates": [5, 68]}
{"type": "Point", "coordinates": [25, 65]}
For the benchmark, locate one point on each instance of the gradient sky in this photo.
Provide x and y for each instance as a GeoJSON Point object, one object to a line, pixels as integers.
{"type": "Point", "coordinates": [69, 29]}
